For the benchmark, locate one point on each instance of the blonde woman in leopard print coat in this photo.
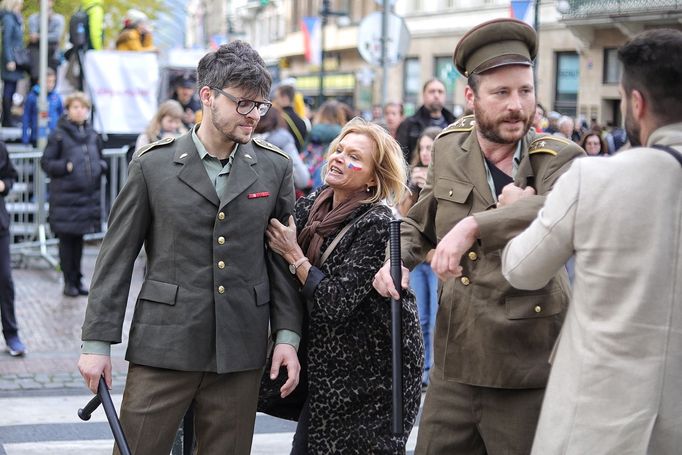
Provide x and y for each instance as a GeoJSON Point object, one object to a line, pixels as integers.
{"type": "Point", "coordinates": [348, 409]}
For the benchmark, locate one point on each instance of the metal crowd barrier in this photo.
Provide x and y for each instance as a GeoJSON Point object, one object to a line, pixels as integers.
{"type": "Point", "coordinates": [27, 204]}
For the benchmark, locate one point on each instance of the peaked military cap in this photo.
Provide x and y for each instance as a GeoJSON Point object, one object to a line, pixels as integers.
{"type": "Point", "coordinates": [495, 43]}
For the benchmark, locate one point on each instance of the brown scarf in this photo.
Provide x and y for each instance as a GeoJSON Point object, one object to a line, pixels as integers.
{"type": "Point", "coordinates": [323, 220]}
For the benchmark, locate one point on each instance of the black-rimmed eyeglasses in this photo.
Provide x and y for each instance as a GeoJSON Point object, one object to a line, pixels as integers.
{"type": "Point", "coordinates": [244, 106]}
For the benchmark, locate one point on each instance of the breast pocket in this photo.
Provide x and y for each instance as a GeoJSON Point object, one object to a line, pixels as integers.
{"type": "Point", "coordinates": [454, 203]}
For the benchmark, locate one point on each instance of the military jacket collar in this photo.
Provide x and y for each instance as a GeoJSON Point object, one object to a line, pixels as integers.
{"type": "Point", "coordinates": [193, 173]}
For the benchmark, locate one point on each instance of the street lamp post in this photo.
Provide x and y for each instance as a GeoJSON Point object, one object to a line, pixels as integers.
{"type": "Point", "coordinates": [325, 12]}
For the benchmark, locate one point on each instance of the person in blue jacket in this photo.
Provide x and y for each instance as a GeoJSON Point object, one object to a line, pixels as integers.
{"type": "Point", "coordinates": [55, 109]}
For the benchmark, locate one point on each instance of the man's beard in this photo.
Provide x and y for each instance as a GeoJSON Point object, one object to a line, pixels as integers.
{"type": "Point", "coordinates": [491, 128]}
{"type": "Point", "coordinates": [221, 126]}
{"type": "Point", "coordinates": [434, 108]}
{"type": "Point", "coordinates": [632, 128]}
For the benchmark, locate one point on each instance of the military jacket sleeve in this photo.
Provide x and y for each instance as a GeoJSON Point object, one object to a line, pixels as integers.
{"type": "Point", "coordinates": [128, 223]}
{"type": "Point", "coordinates": [286, 305]}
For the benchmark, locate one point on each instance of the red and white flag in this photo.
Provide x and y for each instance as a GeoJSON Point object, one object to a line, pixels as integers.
{"type": "Point", "coordinates": [312, 39]}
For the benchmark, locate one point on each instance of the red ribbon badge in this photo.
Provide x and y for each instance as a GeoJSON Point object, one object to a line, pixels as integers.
{"type": "Point", "coordinates": [257, 195]}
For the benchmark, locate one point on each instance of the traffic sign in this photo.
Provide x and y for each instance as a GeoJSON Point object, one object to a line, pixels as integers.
{"type": "Point", "coordinates": [369, 39]}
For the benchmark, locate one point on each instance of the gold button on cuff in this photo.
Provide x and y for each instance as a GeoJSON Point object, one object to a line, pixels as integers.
{"type": "Point", "coordinates": [465, 280]}
{"type": "Point", "coordinates": [472, 255]}
{"type": "Point", "coordinates": [221, 264]}
{"type": "Point", "coordinates": [537, 308]}
{"type": "Point", "coordinates": [221, 216]}
{"type": "Point", "coordinates": [221, 289]}
{"type": "Point", "coordinates": [221, 240]}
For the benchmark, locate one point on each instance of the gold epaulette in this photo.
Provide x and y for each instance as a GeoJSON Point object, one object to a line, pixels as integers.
{"type": "Point", "coordinates": [548, 144]}
{"type": "Point", "coordinates": [148, 147]}
{"type": "Point", "coordinates": [462, 124]}
{"type": "Point", "coordinates": [269, 146]}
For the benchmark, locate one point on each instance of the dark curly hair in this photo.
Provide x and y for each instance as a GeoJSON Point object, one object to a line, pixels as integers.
{"type": "Point", "coordinates": [652, 65]}
{"type": "Point", "coordinates": [235, 64]}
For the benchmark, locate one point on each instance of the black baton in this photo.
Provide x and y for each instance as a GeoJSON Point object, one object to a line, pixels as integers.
{"type": "Point", "coordinates": [104, 398]}
{"type": "Point", "coordinates": [396, 330]}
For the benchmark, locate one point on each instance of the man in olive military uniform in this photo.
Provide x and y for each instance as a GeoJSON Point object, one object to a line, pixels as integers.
{"type": "Point", "coordinates": [200, 205]}
{"type": "Point", "coordinates": [489, 176]}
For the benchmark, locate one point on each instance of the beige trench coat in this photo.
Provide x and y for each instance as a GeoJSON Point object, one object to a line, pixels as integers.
{"type": "Point", "coordinates": [616, 380]}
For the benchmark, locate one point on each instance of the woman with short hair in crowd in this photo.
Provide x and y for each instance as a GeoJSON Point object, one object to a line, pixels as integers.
{"type": "Point", "coordinates": [594, 144]}
{"type": "Point", "coordinates": [74, 163]}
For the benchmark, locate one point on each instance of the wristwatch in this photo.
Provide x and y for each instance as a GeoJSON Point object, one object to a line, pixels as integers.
{"type": "Point", "coordinates": [297, 264]}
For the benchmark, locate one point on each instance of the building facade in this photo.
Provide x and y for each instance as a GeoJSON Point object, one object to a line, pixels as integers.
{"type": "Point", "coordinates": [577, 68]}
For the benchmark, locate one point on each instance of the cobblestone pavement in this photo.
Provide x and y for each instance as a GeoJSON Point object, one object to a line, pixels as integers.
{"type": "Point", "coordinates": [50, 326]}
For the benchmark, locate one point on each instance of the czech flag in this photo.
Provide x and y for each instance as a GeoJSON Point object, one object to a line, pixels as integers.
{"type": "Point", "coordinates": [312, 39]}
{"type": "Point", "coordinates": [523, 10]}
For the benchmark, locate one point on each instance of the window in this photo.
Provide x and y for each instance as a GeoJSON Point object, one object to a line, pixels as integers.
{"type": "Point", "coordinates": [445, 71]}
{"type": "Point", "coordinates": [612, 67]}
{"type": "Point", "coordinates": [567, 80]}
{"type": "Point", "coordinates": [295, 17]}
{"type": "Point", "coordinates": [412, 87]}
{"type": "Point", "coordinates": [345, 6]}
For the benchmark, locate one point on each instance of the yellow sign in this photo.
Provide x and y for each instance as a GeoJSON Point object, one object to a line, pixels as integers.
{"type": "Point", "coordinates": [332, 82]}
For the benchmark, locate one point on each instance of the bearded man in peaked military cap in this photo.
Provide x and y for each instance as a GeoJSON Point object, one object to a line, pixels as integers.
{"type": "Point", "coordinates": [200, 205]}
{"type": "Point", "coordinates": [489, 176]}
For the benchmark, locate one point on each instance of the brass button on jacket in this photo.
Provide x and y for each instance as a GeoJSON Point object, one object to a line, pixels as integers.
{"type": "Point", "coordinates": [221, 216]}
{"type": "Point", "coordinates": [221, 240]}
{"type": "Point", "coordinates": [472, 255]}
{"type": "Point", "coordinates": [221, 289]}
{"type": "Point", "coordinates": [465, 281]}
{"type": "Point", "coordinates": [221, 264]}
{"type": "Point", "coordinates": [537, 308]}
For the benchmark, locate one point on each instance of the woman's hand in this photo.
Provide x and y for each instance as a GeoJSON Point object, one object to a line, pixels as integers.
{"type": "Point", "coordinates": [282, 239]}
{"type": "Point", "coordinates": [418, 176]}
{"type": "Point", "coordinates": [11, 66]}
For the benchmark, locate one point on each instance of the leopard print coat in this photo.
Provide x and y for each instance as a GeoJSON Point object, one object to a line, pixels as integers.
{"type": "Point", "coordinates": [349, 344]}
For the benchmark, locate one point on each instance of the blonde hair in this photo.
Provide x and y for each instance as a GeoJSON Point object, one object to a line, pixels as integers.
{"type": "Point", "coordinates": [390, 168]}
{"type": "Point", "coordinates": [10, 5]}
{"type": "Point", "coordinates": [170, 108]}
{"type": "Point", "coordinates": [77, 96]}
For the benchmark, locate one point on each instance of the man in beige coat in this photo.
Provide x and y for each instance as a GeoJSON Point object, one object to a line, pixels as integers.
{"type": "Point", "coordinates": [491, 341]}
{"type": "Point", "coordinates": [616, 380]}
{"type": "Point", "coordinates": [200, 204]}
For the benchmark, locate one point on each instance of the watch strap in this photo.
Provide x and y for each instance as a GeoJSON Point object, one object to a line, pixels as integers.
{"type": "Point", "coordinates": [299, 262]}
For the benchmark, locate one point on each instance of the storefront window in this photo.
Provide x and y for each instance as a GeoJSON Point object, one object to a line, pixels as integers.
{"type": "Point", "coordinates": [612, 67]}
{"type": "Point", "coordinates": [412, 87]}
{"type": "Point", "coordinates": [447, 73]}
{"type": "Point", "coordinates": [566, 83]}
